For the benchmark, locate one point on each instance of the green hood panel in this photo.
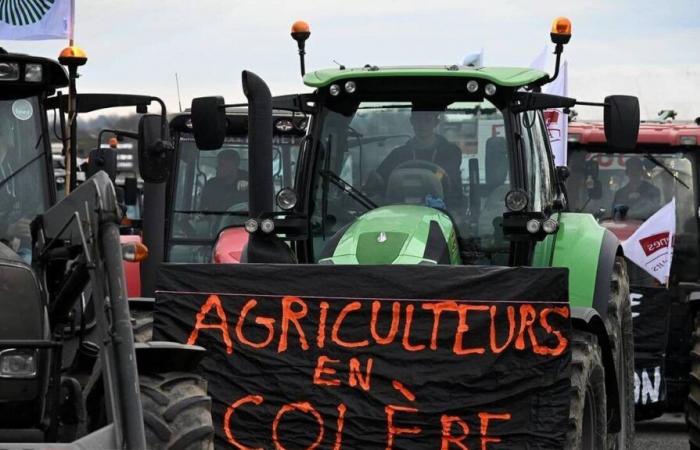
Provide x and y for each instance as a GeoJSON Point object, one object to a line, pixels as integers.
{"type": "Point", "coordinates": [395, 234]}
{"type": "Point", "coordinates": [577, 246]}
{"type": "Point", "coordinates": [503, 76]}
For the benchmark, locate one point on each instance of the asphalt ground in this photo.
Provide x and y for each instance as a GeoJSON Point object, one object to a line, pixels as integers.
{"type": "Point", "coordinates": [665, 433]}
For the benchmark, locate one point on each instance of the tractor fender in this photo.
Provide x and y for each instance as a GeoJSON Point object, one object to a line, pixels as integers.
{"type": "Point", "coordinates": [588, 320]}
{"type": "Point", "coordinates": [161, 356]}
{"type": "Point", "coordinates": [588, 250]}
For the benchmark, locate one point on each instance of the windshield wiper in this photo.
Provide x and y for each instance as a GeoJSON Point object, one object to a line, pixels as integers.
{"type": "Point", "coordinates": [653, 159]}
{"type": "Point", "coordinates": [21, 168]}
{"type": "Point", "coordinates": [349, 189]}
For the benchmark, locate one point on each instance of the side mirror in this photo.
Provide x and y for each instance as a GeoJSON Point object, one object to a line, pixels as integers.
{"type": "Point", "coordinates": [209, 122]}
{"type": "Point", "coordinates": [155, 154]}
{"type": "Point", "coordinates": [102, 159]}
{"type": "Point", "coordinates": [621, 118]}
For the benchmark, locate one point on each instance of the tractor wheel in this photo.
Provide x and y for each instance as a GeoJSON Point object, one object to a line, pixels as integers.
{"type": "Point", "coordinates": [176, 411]}
{"type": "Point", "coordinates": [619, 323]}
{"type": "Point", "coordinates": [587, 413]}
{"type": "Point", "coordinates": [693, 404]}
{"type": "Point", "coordinates": [142, 325]}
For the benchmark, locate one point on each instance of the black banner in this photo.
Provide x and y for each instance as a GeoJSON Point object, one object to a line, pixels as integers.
{"type": "Point", "coordinates": [651, 308]}
{"type": "Point", "coordinates": [376, 357]}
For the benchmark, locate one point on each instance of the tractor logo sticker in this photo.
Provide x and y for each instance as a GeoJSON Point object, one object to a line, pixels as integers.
{"type": "Point", "coordinates": [24, 12]}
{"type": "Point", "coordinates": [22, 109]}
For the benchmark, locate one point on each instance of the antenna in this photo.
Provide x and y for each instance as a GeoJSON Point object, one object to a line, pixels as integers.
{"type": "Point", "coordinates": [177, 84]}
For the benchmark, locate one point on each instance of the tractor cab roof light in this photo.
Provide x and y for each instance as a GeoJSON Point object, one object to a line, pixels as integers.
{"type": "Point", "coordinates": [689, 140]}
{"type": "Point", "coordinates": [72, 56]}
{"type": "Point", "coordinates": [9, 71]}
{"type": "Point", "coordinates": [33, 73]}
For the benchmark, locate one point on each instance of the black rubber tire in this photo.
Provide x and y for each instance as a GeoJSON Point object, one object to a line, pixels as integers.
{"type": "Point", "coordinates": [693, 405]}
{"type": "Point", "coordinates": [621, 336]}
{"type": "Point", "coordinates": [588, 412]}
{"type": "Point", "coordinates": [142, 325]}
{"type": "Point", "coordinates": [176, 412]}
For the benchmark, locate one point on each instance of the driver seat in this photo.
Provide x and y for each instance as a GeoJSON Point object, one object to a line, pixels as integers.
{"type": "Point", "coordinates": [412, 184]}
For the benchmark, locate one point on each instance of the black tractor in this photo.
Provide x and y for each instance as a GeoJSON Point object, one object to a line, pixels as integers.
{"type": "Point", "coordinates": [70, 372]}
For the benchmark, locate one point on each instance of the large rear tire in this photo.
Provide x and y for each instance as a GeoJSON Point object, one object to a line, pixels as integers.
{"type": "Point", "coordinates": [142, 325]}
{"type": "Point", "coordinates": [619, 323]}
{"type": "Point", "coordinates": [176, 412]}
{"type": "Point", "coordinates": [587, 413]}
{"type": "Point", "coordinates": [693, 405]}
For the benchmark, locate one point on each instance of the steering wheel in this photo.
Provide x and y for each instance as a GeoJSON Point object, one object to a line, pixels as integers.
{"type": "Point", "coordinates": [223, 222]}
{"type": "Point", "coordinates": [438, 171]}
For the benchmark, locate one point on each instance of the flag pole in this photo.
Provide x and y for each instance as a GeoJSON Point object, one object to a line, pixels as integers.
{"type": "Point", "coordinates": [72, 57]}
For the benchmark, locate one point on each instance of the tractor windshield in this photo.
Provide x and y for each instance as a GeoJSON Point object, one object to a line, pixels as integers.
{"type": "Point", "coordinates": [624, 189]}
{"type": "Point", "coordinates": [24, 190]}
{"type": "Point", "coordinates": [451, 158]}
{"type": "Point", "coordinates": [211, 192]}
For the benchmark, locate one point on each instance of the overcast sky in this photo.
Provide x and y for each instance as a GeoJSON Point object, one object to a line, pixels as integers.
{"type": "Point", "coordinates": [641, 47]}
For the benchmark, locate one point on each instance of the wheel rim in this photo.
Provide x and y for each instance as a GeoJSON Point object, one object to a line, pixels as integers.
{"type": "Point", "coordinates": [588, 431]}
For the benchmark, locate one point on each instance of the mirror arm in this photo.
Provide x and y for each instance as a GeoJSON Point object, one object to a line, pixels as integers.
{"type": "Point", "coordinates": [163, 118]}
{"type": "Point", "coordinates": [558, 50]}
{"type": "Point", "coordinates": [592, 104]}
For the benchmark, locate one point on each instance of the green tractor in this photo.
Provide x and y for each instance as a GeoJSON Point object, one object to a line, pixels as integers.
{"type": "Point", "coordinates": [446, 165]}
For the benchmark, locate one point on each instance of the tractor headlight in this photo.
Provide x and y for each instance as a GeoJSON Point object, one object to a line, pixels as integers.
{"type": "Point", "coordinates": [516, 200]}
{"type": "Point", "coordinates": [18, 363]}
{"type": "Point", "coordinates": [472, 86]}
{"type": "Point", "coordinates": [533, 226]}
{"type": "Point", "coordinates": [9, 71]}
{"type": "Point", "coordinates": [286, 199]}
{"type": "Point", "coordinates": [334, 90]}
{"type": "Point", "coordinates": [550, 226]}
{"type": "Point", "coordinates": [490, 89]}
{"type": "Point", "coordinates": [267, 226]}
{"type": "Point", "coordinates": [251, 226]}
{"type": "Point", "coordinates": [125, 157]}
{"type": "Point", "coordinates": [33, 73]}
{"type": "Point", "coordinates": [350, 87]}
{"type": "Point", "coordinates": [284, 125]}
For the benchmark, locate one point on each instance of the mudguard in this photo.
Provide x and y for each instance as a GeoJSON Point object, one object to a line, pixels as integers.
{"type": "Point", "coordinates": [159, 357]}
{"type": "Point", "coordinates": [588, 251]}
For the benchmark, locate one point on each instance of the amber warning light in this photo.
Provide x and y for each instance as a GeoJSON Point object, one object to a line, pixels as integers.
{"type": "Point", "coordinates": [134, 251]}
{"type": "Point", "coordinates": [72, 55]}
{"type": "Point", "coordinates": [300, 33]}
{"type": "Point", "coordinates": [561, 30]}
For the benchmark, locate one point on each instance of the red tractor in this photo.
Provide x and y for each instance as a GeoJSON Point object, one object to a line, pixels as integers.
{"type": "Point", "coordinates": [666, 317]}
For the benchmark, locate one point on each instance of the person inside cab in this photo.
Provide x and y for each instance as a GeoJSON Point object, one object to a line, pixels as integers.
{"type": "Point", "coordinates": [430, 152]}
{"type": "Point", "coordinates": [641, 198]}
{"type": "Point", "coordinates": [14, 220]}
{"type": "Point", "coordinates": [230, 185]}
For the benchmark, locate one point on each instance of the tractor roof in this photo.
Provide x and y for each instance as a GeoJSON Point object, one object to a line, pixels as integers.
{"type": "Point", "coordinates": [660, 133]}
{"type": "Point", "coordinates": [503, 76]}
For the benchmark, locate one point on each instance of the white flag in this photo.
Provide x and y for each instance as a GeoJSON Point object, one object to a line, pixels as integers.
{"type": "Point", "coordinates": [36, 19]}
{"type": "Point", "coordinates": [474, 59]}
{"type": "Point", "coordinates": [651, 246]}
{"type": "Point", "coordinates": [557, 121]}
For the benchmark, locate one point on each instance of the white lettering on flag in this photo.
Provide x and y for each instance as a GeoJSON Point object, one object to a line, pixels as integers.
{"type": "Point", "coordinates": [35, 19]}
{"type": "Point", "coordinates": [651, 246]}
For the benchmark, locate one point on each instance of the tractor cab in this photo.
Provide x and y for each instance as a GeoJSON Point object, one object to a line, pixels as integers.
{"type": "Point", "coordinates": [208, 190]}
{"type": "Point", "coordinates": [26, 164]}
{"type": "Point", "coordinates": [623, 188]}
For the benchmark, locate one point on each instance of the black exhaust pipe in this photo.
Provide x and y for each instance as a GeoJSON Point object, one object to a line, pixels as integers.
{"type": "Point", "coordinates": [262, 247]}
{"type": "Point", "coordinates": [259, 144]}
